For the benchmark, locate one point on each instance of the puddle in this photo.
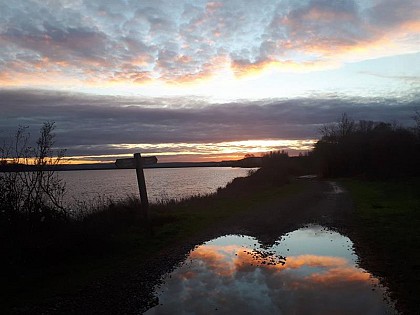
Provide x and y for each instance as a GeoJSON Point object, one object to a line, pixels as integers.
{"type": "Point", "coordinates": [312, 270]}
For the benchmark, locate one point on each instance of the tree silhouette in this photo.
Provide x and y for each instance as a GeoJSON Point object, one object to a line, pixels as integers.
{"type": "Point", "coordinates": [376, 149]}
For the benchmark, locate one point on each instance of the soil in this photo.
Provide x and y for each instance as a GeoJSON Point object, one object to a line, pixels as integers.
{"type": "Point", "coordinates": [323, 202]}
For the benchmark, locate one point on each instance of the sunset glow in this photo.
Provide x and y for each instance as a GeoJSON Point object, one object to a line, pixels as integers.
{"type": "Point", "coordinates": [202, 55]}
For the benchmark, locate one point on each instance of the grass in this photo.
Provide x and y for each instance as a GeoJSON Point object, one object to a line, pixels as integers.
{"type": "Point", "coordinates": [388, 220]}
{"type": "Point", "coordinates": [115, 237]}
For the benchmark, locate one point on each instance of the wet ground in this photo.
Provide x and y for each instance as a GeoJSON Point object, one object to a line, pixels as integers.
{"type": "Point", "coordinates": [312, 270]}
{"type": "Point", "coordinates": [267, 226]}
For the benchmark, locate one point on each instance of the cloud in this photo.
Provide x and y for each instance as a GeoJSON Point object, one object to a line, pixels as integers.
{"type": "Point", "coordinates": [319, 25]}
{"type": "Point", "coordinates": [104, 125]}
{"type": "Point", "coordinates": [393, 13]}
{"type": "Point", "coordinates": [141, 41]}
{"type": "Point", "coordinates": [233, 278]}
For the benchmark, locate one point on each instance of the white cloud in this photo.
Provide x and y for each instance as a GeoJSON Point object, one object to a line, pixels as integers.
{"type": "Point", "coordinates": [186, 40]}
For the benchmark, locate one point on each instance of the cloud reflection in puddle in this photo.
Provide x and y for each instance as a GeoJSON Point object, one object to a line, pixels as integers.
{"type": "Point", "coordinates": [309, 271]}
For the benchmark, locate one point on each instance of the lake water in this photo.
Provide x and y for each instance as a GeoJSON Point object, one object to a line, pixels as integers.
{"type": "Point", "coordinates": [163, 183]}
{"type": "Point", "coordinates": [312, 270]}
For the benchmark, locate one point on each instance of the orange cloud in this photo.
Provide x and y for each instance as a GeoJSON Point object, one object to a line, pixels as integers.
{"type": "Point", "coordinates": [340, 275]}
{"type": "Point", "coordinates": [243, 68]}
{"type": "Point", "coordinates": [226, 261]}
{"type": "Point", "coordinates": [216, 258]}
{"type": "Point", "coordinates": [295, 262]}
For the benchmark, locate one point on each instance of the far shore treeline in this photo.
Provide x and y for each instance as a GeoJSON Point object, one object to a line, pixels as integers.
{"type": "Point", "coordinates": [246, 162]}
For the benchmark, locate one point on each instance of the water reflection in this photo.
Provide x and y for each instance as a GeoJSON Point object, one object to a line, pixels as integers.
{"type": "Point", "coordinates": [309, 271]}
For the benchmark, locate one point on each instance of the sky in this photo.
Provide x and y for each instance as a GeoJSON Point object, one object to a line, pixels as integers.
{"type": "Point", "coordinates": [203, 80]}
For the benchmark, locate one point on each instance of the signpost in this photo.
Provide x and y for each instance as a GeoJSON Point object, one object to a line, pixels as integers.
{"type": "Point", "coordinates": [138, 162]}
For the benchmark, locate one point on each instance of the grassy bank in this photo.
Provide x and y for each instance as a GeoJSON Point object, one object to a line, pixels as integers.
{"type": "Point", "coordinates": [60, 259]}
{"type": "Point", "coordinates": [388, 221]}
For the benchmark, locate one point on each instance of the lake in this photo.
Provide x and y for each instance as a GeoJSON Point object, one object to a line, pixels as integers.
{"type": "Point", "coordinates": [162, 183]}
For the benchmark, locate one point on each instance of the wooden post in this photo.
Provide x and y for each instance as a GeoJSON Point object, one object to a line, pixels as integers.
{"type": "Point", "coordinates": [142, 185]}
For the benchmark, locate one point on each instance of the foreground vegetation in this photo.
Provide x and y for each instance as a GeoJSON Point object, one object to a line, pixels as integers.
{"type": "Point", "coordinates": [387, 220]}
{"type": "Point", "coordinates": [59, 256]}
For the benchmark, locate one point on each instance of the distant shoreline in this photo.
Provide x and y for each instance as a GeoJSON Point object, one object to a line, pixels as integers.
{"type": "Point", "coordinates": [244, 163]}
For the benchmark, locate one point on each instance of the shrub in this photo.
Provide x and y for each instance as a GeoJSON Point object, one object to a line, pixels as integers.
{"type": "Point", "coordinates": [30, 190]}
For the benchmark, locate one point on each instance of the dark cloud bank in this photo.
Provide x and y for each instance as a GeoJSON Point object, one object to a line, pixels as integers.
{"type": "Point", "coordinates": [89, 125]}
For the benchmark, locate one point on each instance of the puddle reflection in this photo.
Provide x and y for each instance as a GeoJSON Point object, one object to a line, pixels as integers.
{"type": "Point", "coordinates": [309, 271]}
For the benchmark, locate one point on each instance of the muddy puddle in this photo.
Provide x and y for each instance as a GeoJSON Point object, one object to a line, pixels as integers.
{"type": "Point", "coordinates": [312, 270]}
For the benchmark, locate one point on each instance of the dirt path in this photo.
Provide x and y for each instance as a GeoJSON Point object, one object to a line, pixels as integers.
{"type": "Point", "coordinates": [322, 203]}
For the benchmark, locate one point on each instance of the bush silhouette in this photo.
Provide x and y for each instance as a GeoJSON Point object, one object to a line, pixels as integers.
{"type": "Point", "coordinates": [33, 195]}
{"type": "Point", "coordinates": [374, 149]}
